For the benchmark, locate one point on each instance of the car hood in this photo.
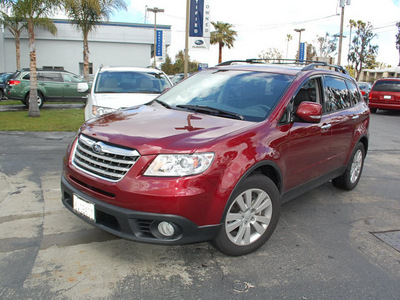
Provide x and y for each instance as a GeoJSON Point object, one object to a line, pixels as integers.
{"type": "Point", "coordinates": [121, 100]}
{"type": "Point", "coordinates": [154, 129]}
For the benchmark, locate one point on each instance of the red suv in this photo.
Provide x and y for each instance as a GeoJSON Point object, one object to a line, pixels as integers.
{"type": "Point", "coordinates": [385, 94]}
{"type": "Point", "coordinates": [214, 157]}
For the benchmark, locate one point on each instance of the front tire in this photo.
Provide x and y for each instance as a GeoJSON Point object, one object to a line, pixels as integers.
{"type": "Point", "coordinates": [350, 178]}
{"type": "Point", "coordinates": [252, 215]}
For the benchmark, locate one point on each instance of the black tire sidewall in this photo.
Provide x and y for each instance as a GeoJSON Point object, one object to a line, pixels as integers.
{"type": "Point", "coordinates": [222, 241]}
{"type": "Point", "coordinates": [344, 181]}
{"type": "Point", "coordinates": [40, 95]}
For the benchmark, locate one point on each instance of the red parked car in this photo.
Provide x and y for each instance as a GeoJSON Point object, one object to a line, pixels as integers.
{"type": "Point", "coordinates": [214, 157]}
{"type": "Point", "coordinates": [385, 94]}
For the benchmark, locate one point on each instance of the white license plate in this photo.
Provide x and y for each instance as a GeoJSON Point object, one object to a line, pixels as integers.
{"type": "Point", "coordinates": [387, 97]}
{"type": "Point", "coordinates": [84, 207]}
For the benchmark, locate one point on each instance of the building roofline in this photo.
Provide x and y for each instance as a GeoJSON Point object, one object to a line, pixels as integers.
{"type": "Point", "coordinates": [119, 24]}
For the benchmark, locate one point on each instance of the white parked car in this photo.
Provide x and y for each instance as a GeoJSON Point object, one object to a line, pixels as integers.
{"type": "Point", "coordinates": [119, 87]}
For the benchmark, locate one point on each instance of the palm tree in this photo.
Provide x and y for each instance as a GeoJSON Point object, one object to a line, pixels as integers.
{"type": "Point", "coordinates": [36, 14]}
{"type": "Point", "coordinates": [223, 35]}
{"type": "Point", "coordinates": [86, 15]}
{"type": "Point", "coordinates": [15, 23]}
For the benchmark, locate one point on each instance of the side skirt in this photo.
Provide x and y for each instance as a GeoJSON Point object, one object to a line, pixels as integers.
{"type": "Point", "coordinates": [297, 191]}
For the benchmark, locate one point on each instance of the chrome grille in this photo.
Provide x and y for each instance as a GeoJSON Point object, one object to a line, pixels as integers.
{"type": "Point", "coordinates": [103, 160]}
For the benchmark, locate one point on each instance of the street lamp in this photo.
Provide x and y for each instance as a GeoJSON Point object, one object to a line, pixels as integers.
{"type": "Point", "coordinates": [155, 10]}
{"type": "Point", "coordinates": [299, 31]}
{"type": "Point", "coordinates": [342, 5]}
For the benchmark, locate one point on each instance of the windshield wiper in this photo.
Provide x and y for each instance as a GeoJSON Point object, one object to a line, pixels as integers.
{"type": "Point", "coordinates": [212, 110]}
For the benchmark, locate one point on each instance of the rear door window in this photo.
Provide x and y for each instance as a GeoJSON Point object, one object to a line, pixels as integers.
{"type": "Point", "coordinates": [355, 95]}
{"type": "Point", "coordinates": [337, 96]}
{"type": "Point", "coordinates": [50, 76]}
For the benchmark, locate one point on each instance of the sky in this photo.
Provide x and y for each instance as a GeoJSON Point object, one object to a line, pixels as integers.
{"type": "Point", "coordinates": [262, 25]}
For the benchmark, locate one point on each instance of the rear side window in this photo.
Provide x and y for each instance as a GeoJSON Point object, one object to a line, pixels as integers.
{"type": "Point", "coordinates": [50, 76]}
{"type": "Point", "coordinates": [354, 94]}
{"type": "Point", "coordinates": [387, 86]}
{"type": "Point", "coordinates": [336, 94]}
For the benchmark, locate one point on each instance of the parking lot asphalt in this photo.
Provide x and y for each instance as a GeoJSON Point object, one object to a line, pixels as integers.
{"type": "Point", "coordinates": [329, 243]}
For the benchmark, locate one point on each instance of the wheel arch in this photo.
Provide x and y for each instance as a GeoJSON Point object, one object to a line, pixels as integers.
{"type": "Point", "coordinates": [266, 168]}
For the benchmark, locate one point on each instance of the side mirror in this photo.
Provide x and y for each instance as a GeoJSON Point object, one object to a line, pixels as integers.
{"type": "Point", "coordinates": [309, 112]}
{"type": "Point", "coordinates": [82, 87]}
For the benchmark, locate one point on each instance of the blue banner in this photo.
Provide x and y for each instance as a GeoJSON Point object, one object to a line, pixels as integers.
{"type": "Point", "coordinates": [302, 51]}
{"type": "Point", "coordinates": [159, 49]}
{"type": "Point", "coordinates": [196, 19]}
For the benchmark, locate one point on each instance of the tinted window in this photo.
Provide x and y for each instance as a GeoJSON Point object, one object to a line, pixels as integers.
{"type": "Point", "coordinates": [336, 94]}
{"type": "Point", "coordinates": [131, 82]}
{"type": "Point", "coordinates": [355, 96]}
{"type": "Point", "coordinates": [71, 78]}
{"type": "Point", "coordinates": [249, 94]}
{"type": "Point", "coordinates": [387, 86]}
{"type": "Point", "coordinates": [27, 76]}
{"type": "Point", "coordinates": [49, 76]}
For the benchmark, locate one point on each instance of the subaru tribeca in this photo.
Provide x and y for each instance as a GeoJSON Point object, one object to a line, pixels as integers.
{"type": "Point", "coordinates": [213, 158]}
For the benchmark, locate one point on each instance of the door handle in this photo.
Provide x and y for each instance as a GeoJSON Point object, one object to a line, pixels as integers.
{"type": "Point", "coordinates": [326, 126]}
{"type": "Point", "coordinates": [355, 117]}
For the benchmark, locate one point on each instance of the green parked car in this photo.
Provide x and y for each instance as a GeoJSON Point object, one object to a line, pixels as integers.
{"type": "Point", "coordinates": [52, 86]}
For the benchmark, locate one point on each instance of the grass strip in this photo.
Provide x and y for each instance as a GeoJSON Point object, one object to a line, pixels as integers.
{"type": "Point", "coordinates": [49, 120]}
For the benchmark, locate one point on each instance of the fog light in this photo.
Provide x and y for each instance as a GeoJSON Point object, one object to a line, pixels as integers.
{"type": "Point", "coordinates": [166, 229]}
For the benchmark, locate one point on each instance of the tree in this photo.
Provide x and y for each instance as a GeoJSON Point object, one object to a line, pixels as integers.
{"type": "Point", "coordinates": [15, 23]}
{"type": "Point", "coordinates": [178, 66]}
{"type": "Point", "coordinates": [271, 53]}
{"type": "Point", "coordinates": [36, 14]}
{"type": "Point", "coordinates": [362, 52]}
{"type": "Point", "coordinates": [398, 39]}
{"type": "Point", "coordinates": [326, 45]}
{"type": "Point", "coordinates": [86, 15]}
{"type": "Point", "coordinates": [223, 35]}
{"type": "Point", "coordinates": [289, 37]}
{"type": "Point", "coordinates": [310, 52]}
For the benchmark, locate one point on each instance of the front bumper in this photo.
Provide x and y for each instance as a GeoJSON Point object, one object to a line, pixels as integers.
{"type": "Point", "coordinates": [137, 225]}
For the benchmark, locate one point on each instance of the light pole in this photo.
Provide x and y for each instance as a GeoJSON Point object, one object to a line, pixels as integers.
{"type": "Point", "coordinates": [155, 10]}
{"type": "Point", "coordinates": [186, 60]}
{"type": "Point", "coordinates": [299, 31]}
{"type": "Point", "coordinates": [342, 5]}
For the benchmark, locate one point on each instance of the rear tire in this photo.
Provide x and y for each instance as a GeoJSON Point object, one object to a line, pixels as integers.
{"type": "Point", "coordinates": [39, 97]}
{"type": "Point", "coordinates": [251, 216]}
{"type": "Point", "coordinates": [1, 94]}
{"type": "Point", "coordinates": [373, 110]}
{"type": "Point", "coordinates": [350, 178]}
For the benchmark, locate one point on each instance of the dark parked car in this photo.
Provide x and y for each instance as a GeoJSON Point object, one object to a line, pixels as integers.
{"type": "Point", "coordinates": [385, 94]}
{"type": "Point", "coordinates": [365, 88]}
{"type": "Point", "coordinates": [3, 80]}
{"type": "Point", "coordinates": [214, 157]}
{"type": "Point", "coordinates": [53, 86]}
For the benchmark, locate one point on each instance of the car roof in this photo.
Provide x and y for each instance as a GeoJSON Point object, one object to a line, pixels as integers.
{"type": "Point", "coordinates": [282, 66]}
{"type": "Point", "coordinates": [133, 69]}
{"type": "Point", "coordinates": [389, 79]}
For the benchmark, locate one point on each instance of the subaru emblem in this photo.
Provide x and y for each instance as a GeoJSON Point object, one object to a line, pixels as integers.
{"type": "Point", "coordinates": [97, 148]}
{"type": "Point", "coordinates": [199, 42]}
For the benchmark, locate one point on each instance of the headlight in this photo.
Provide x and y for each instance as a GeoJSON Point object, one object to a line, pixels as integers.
{"type": "Point", "coordinates": [101, 110]}
{"type": "Point", "coordinates": [179, 164]}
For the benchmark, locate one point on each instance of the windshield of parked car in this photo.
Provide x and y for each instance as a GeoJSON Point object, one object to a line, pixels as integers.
{"type": "Point", "coordinates": [246, 95]}
{"type": "Point", "coordinates": [387, 86]}
{"type": "Point", "coordinates": [131, 82]}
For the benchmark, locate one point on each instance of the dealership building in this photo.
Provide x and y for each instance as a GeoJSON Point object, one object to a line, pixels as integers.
{"type": "Point", "coordinates": [110, 44]}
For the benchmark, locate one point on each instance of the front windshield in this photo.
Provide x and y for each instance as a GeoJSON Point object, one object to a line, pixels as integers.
{"type": "Point", "coordinates": [131, 82]}
{"type": "Point", "coordinates": [251, 95]}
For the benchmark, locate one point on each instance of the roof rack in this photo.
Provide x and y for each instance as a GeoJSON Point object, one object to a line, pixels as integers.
{"type": "Point", "coordinates": [309, 64]}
